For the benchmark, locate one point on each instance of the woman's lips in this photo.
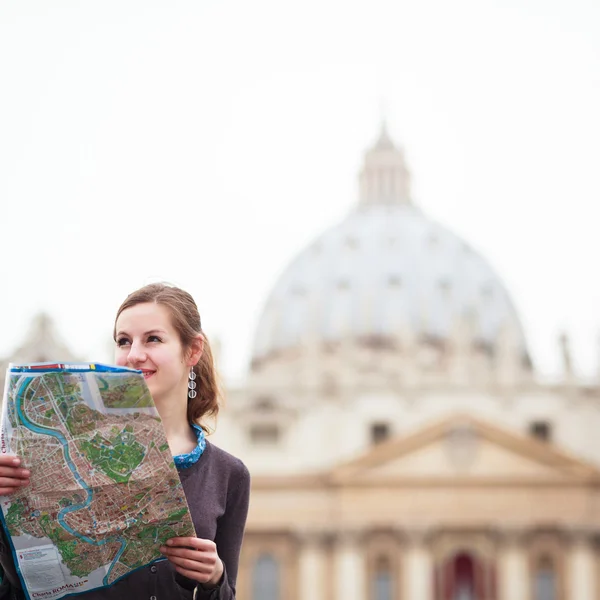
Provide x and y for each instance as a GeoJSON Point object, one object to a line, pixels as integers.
{"type": "Point", "coordinates": [147, 374]}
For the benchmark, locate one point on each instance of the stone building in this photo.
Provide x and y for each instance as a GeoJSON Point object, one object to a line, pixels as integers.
{"type": "Point", "coordinates": [401, 445]}
{"type": "Point", "coordinates": [41, 344]}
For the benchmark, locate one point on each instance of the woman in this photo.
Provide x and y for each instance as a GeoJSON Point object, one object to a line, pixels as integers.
{"type": "Point", "coordinates": [157, 330]}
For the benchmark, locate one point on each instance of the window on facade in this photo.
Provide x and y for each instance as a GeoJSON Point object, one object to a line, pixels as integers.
{"type": "Point", "coordinates": [395, 281]}
{"type": "Point", "coordinates": [544, 584]}
{"type": "Point", "coordinates": [329, 383]}
{"type": "Point", "coordinates": [264, 434]}
{"type": "Point", "coordinates": [380, 432]}
{"type": "Point", "coordinates": [266, 584]}
{"type": "Point", "coordinates": [264, 404]}
{"type": "Point", "coordinates": [351, 243]}
{"type": "Point", "coordinates": [541, 430]}
{"type": "Point", "coordinates": [487, 291]}
{"type": "Point", "coordinates": [382, 586]}
{"type": "Point", "coordinates": [298, 290]}
{"type": "Point", "coordinates": [445, 287]}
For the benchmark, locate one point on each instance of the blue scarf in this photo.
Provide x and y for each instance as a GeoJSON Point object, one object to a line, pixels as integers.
{"type": "Point", "coordinates": [183, 461]}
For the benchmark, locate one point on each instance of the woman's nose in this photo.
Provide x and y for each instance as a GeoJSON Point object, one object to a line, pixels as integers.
{"type": "Point", "coordinates": [136, 354]}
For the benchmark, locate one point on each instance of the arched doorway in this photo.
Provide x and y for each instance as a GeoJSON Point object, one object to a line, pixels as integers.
{"type": "Point", "coordinates": [465, 576]}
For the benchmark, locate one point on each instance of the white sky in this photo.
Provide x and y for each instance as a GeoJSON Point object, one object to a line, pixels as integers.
{"type": "Point", "coordinates": [207, 142]}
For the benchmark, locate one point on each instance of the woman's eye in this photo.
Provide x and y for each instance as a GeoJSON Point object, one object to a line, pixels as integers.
{"type": "Point", "coordinates": [122, 342]}
{"type": "Point", "coordinates": [154, 338]}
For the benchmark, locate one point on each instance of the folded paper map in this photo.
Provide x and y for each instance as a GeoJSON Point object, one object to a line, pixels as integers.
{"type": "Point", "coordinates": [104, 492]}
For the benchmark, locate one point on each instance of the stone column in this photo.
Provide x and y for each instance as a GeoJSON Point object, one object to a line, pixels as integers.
{"type": "Point", "coordinates": [312, 571]}
{"type": "Point", "coordinates": [581, 575]}
{"type": "Point", "coordinates": [418, 567]}
{"type": "Point", "coordinates": [350, 571]}
{"type": "Point", "coordinates": [513, 568]}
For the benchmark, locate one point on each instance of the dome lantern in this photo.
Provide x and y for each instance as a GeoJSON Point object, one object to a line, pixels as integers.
{"type": "Point", "coordinates": [384, 179]}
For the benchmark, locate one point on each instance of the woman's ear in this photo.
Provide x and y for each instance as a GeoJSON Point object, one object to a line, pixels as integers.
{"type": "Point", "coordinates": [196, 350]}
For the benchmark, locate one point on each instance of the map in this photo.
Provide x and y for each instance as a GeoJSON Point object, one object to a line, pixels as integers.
{"type": "Point", "coordinates": [104, 492]}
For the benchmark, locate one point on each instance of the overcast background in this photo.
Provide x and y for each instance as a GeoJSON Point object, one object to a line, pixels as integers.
{"type": "Point", "coordinates": [207, 142]}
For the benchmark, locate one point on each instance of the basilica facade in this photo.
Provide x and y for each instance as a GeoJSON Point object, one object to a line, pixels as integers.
{"type": "Point", "coordinates": [400, 443]}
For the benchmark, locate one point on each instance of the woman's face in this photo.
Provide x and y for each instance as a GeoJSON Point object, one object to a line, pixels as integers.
{"type": "Point", "coordinates": [146, 340]}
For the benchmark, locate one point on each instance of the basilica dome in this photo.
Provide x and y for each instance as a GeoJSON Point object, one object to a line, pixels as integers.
{"type": "Point", "coordinates": [386, 271]}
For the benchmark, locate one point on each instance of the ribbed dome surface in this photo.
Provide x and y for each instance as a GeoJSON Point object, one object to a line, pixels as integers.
{"type": "Point", "coordinates": [386, 269]}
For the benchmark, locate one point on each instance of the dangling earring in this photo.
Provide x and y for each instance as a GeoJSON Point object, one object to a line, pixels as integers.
{"type": "Point", "coordinates": [192, 384]}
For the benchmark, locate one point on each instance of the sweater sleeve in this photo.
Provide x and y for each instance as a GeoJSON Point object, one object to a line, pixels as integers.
{"type": "Point", "coordinates": [228, 539]}
{"type": "Point", "coordinates": [230, 532]}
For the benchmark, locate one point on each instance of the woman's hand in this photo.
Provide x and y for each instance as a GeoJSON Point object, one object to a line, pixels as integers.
{"type": "Point", "coordinates": [12, 476]}
{"type": "Point", "coordinates": [195, 558]}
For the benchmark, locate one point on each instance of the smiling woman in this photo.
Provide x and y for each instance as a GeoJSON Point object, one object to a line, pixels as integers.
{"type": "Point", "coordinates": [158, 331]}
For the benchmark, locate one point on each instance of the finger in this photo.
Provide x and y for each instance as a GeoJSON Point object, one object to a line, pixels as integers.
{"type": "Point", "coordinates": [14, 472]}
{"type": "Point", "coordinates": [192, 542]}
{"type": "Point", "coordinates": [191, 565]}
{"type": "Point", "coordinates": [209, 558]}
{"type": "Point", "coordinates": [12, 482]}
{"type": "Point", "coordinates": [199, 577]}
{"type": "Point", "coordinates": [7, 491]}
{"type": "Point", "coordinates": [10, 460]}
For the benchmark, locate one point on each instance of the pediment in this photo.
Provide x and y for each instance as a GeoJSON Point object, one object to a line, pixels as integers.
{"type": "Point", "coordinates": [465, 449]}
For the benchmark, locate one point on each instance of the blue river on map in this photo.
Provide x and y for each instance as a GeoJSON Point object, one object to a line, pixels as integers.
{"type": "Point", "coordinates": [90, 494]}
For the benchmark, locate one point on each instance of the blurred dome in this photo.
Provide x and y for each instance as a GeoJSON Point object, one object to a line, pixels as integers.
{"type": "Point", "coordinates": [385, 270]}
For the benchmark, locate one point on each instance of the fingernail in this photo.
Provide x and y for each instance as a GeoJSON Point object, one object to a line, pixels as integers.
{"type": "Point", "coordinates": [26, 472]}
{"type": "Point", "coordinates": [169, 542]}
{"type": "Point", "coordinates": [162, 549]}
{"type": "Point", "coordinates": [25, 482]}
{"type": "Point", "coordinates": [16, 461]}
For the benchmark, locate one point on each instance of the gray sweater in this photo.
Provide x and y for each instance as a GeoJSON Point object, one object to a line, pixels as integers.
{"type": "Point", "coordinates": [217, 489]}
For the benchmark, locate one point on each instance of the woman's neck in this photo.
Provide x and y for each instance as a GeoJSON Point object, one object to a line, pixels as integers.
{"type": "Point", "coordinates": [180, 435]}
